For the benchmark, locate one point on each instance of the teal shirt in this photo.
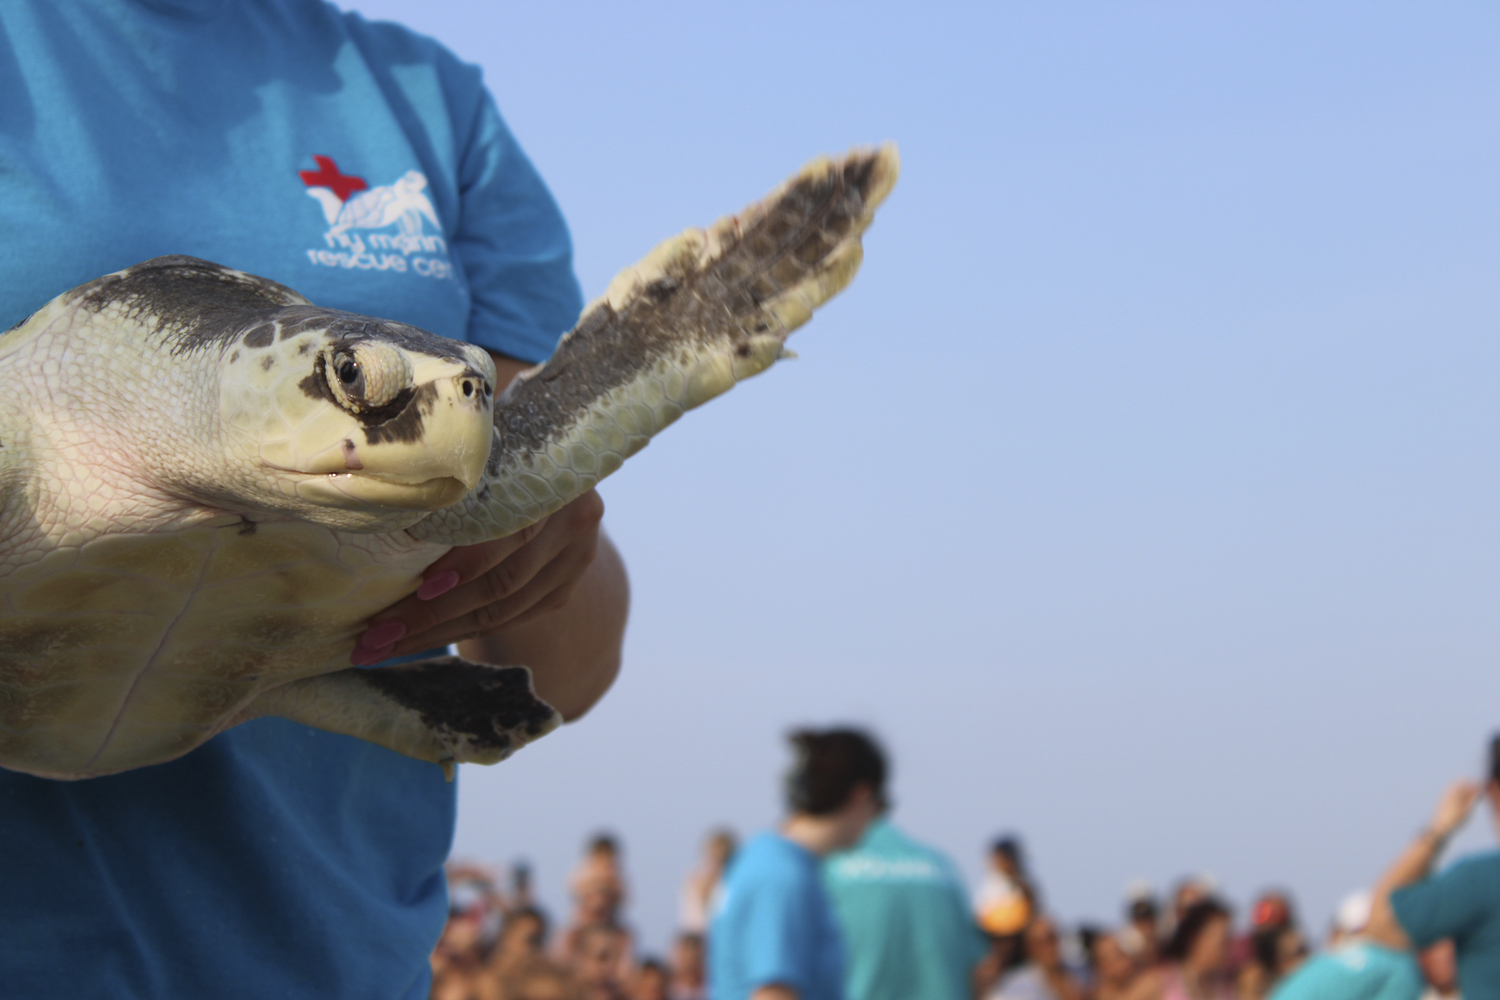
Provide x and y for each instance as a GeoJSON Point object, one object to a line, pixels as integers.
{"type": "Point", "coordinates": [1359, 970]}
{"type": "Point", "coordinates": [905, 919]}
{"type": "Point", "coordinates": [1462, 903]}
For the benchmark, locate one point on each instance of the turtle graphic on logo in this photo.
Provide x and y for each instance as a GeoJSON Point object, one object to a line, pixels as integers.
{"type": "Point", "coordinates": [349, 203]}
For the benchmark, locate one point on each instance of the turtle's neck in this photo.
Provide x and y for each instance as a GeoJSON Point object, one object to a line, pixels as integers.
{"type": "Point", "coordinates": [187, 10]}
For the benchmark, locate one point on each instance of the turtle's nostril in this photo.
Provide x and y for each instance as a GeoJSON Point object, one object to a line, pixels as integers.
{"type": "Point", "coordinates": [468, 388]}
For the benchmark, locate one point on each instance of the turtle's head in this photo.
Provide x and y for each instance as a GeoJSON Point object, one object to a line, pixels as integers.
{"type": "Point", "coordinates": [353, 419]}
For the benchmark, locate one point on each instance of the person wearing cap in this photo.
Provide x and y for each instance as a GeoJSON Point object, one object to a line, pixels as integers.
{"type": "Point", "coordinates": [774, 935]}
{"type": "Point", "coordinates": [1353, 967]}
{"type": "Point", "coordinates": [1414, 909]}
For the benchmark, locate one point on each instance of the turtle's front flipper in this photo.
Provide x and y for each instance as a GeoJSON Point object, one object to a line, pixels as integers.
{"type": "Point", "coordinates": [700, 312]}
{"type": "Point", "coordinates": [445, 710]}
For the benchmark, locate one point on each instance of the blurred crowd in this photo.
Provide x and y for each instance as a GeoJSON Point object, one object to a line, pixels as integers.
{"type": "Point", "coordinates": [500, 944]}
{"type": "Point", "coordinates": [837, 903]}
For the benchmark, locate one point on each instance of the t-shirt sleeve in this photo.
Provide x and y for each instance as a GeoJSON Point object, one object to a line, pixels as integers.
{"type": "Point", "coordinates": [777, 929]}
{"type": "Point", "coordinates": [512, 244]}
{"type": "Point", "coordinates": [1451, 904]}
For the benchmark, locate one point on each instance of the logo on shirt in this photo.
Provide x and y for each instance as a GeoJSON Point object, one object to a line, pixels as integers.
{"type": "Point", "coordinates": [376, 228]}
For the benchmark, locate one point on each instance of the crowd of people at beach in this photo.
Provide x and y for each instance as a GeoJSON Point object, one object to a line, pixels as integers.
{"type": "Point", "coordinates": [1185, 944]}
{"type": "Point", "coordinates": [501, 944]}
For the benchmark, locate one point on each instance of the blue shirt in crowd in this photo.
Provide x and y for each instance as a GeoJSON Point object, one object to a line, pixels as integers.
{"type": "Point", "coordinates": [773, 925]}
{"type": "Point", "coordinates": [1356, 970]}
{"type": "Point", "coordinates": [908, 932]}
{"type": "Point", "coordinates": [1463, 903]}
{"type": "Point", "coordinates": [367, 168]}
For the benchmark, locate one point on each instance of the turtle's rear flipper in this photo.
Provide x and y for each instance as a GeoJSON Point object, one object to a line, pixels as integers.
{"type": "Point", "coordinates": [445, 710]}
{"type": "Point", "coordinates": [701, 311]}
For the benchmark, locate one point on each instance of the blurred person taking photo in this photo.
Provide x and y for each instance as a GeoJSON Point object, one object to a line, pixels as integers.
{"type": "Point", "coordinates": [904, 915]}
{"type": "Point", "coordinates": [1195, 959]}
{"type": "Point", "coordinates": [1414, 909]}
{"type": "Point", "coordinates": [774, 935]}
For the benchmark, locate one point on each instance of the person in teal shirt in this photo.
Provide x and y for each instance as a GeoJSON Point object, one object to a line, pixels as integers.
{"type": "Point", "coordinates": [901, 905]}
{"type": "Point", "coordinates": [1355, 970]}
{"type": "Point", "coordinates": [773, 935]}
{"type": "Point", "coordinates": [1414, 910]}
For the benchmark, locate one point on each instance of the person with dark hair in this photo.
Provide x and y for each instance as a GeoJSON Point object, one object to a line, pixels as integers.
{"type": "Point", "coordinates": [774, 936]}
{"type": "Point", "coordinates": [650, 981]}
{"type": "Point", "coordinates": [1113, 968]}
{"type": "Point", "coordinates": [1044, 975]}
{"type": "Point", "coordinates": [1141, 935]}
{"type": "Point", "coordinates": [1414, 910]}
{"type": "Point", "coordinates": [1272, 950]}
{"type": "Point", "coordinates": [1006, 898]}
{"type": "Point", "coordinates": [689, 968]}
{"type": "Point", "coordinates": [521, 943]}
{"type": "Point", "coordinates": [599, 891]}
{"type": "Point", "coordinates": [600, 952]}
{"type": "Point", "coordinates": [1194, 959]}
{"type": "Point", "coordinates": [903, 911]}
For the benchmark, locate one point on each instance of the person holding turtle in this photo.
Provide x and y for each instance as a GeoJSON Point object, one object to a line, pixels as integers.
{"type": "Point", "coordinates": [277, 859]}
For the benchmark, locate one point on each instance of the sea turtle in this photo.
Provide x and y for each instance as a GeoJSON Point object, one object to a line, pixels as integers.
{"type": "Point", "coordinates": [208, 484]}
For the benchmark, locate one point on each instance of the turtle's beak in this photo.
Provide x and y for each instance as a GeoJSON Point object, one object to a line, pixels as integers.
{"type": "Point", "coordinates": [426, 456]}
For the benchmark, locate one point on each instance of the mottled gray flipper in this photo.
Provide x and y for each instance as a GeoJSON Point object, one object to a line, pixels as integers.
{"type": "Point", "coordinates": [702, 311]}
{"type": "Point", "coordinates": [445, 710]}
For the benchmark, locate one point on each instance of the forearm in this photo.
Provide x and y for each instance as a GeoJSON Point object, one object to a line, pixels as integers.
{"type": "Point", "coordinates": [1410, 865]}
{"type": "Point", "coordinates": [573, 652]}
{"type": "Point", "coordinates": [1416, 860]}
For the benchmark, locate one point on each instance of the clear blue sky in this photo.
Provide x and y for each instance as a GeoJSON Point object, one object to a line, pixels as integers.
{"type": "Point", "coordinates": [1142, 493]}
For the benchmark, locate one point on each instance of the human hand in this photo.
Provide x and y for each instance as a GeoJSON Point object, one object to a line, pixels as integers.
{"type": "Point", "coordinates": [1454, 807]}
{"type": "Point", "coordinates": [478, 589]}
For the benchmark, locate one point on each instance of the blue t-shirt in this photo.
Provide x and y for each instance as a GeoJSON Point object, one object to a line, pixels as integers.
{"type": "Point", "coordinates": [907, 929]}
{"type": "Point", "coordinates": [1462, 903]}
{"type": "Point", "coordinates": [368, 169]}
{"type": "Point", "coordinates": [773, 924]}
{"type": "Point", "coordinates": [1356, 970]}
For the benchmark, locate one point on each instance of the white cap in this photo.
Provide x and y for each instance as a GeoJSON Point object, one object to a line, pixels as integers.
{"type": "Point", "coordinates": [1354, 912]}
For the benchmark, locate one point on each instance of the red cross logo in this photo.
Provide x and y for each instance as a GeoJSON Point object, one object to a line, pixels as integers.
{"type": "Point", "coordinates": [327, 175]}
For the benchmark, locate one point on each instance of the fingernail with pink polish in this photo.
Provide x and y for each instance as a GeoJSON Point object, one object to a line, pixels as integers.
{"type": "Point", "coordinates": [383, 634]}
{"type": "Point", "coordinates": [439, 584]}
{"type": "Point", "coordinates": [363, 657]}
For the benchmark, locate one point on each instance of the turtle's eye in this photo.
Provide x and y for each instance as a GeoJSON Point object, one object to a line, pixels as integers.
{"type": "Point", "coordinates": [351, 377]}
{"type": "Point", "coordinates": [368, 377]}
